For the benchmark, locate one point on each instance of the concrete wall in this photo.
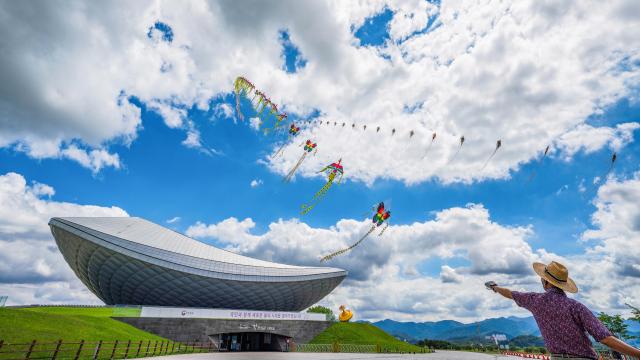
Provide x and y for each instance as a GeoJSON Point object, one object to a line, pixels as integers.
{"type": "Point", "coordinates": [179, 329]}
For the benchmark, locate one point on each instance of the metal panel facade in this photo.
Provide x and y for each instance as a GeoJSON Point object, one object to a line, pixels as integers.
{"type": "Point", "coordinates": [131, 270]}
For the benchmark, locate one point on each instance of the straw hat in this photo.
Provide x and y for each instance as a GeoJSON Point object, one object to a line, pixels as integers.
{"type": "Point", "coordinates": [557, 274]}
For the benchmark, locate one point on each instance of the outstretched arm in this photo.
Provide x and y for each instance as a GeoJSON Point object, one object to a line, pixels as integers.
{"type": "Point", "coordinates": [502, 291]}
{"type": "Point", "coordinates": [620, 346]}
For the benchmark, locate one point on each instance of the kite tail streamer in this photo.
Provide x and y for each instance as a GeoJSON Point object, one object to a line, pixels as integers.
{"type": "Point", "coordinates": [340, 252]}
{"type": "Point", "coordinates": [428, 148]}
{"type": "Point", "coordinates": [383, 229]}
{"type": "Point", "coordinates": [318, 196]}
{"type": "Point", "coordinates": [456, 154]}
{"type": "Point", "coordinates": [293, 170]}
{"type": "Point", "coordinates": [490, 157]}
{"type": "Point", "coordinates": [279, 150]}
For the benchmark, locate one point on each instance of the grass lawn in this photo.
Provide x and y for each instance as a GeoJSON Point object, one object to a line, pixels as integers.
{"type": "Point", "coordinates": [362, 334]}
{"type": "Point", "coordinates": [66, 323]}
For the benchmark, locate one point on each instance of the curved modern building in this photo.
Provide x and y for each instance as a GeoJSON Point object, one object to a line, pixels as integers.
{"type": "Point", "coordinates": [128, 260]}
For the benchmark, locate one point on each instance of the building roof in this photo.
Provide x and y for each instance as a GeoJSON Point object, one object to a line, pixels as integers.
{"type": "Point", "coordinates": [147, 238]}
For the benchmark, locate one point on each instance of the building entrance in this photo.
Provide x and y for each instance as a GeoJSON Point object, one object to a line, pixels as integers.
{"type": "Point", "coordinates": [252, 341]}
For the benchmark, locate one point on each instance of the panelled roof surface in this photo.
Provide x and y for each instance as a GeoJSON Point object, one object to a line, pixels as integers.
{"type": "Point", "coordinates": [132, 231]}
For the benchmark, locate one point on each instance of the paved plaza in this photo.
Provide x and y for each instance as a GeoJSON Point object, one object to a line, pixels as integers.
{"type": "Point", "coordinates": [439, 355]}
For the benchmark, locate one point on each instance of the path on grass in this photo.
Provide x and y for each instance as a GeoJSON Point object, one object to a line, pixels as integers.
{"type": "Point", "coordinates": [438, 355]}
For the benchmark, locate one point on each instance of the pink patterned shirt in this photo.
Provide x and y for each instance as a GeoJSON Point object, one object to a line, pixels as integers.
{"type": "Point", "coordinates": [563, 322]}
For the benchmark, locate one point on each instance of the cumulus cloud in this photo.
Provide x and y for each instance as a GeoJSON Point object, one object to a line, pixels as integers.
{"type": "Point", "coordinates": [496, 69]}
{"type": "Point", "coordinates": [381, 264]}
{"type": "Point", "coordinates": [617, 224]}
{"type": "Point", "coordinates": [173, 220]}
{"type": "Point", "coordinates": [255, 183]}
{"type": "Point", "coordinates": [489, 251]}
{"type": "Point", "coordinates": [31, 266]}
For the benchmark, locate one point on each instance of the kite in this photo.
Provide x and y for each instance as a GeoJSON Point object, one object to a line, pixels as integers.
{"type": "Point", "coordinates": [457, 152]}
{"type": "Point", "coordinates": [498, 144]}
{"type": "Point", "coordinates": [613, 161]}
{"type": "Point", "coordinates": [309, 146]}
{"type": "Point", "coordinates": [433, 138]}
{"type": "Point", "coordinates": [378, 129]}
{"type": "Point", "coordinates": [332, 171]}
{"type": "Point", "coordinates": [293, 131]}
{"type": "Point", "coordinates": [533, 173]}
{"type": "Point", "coordinates": [380, 217]}
{"type": "Point", "coordinates": [242, 86]}
{"type": "Point", "coordinates": [364, 127]}
{"type": "Point", "coordinates": [393, 131]}
{"type": "Point", "coordinates": [411, 134]}
{"type": "Point", "coordinates": [345, 314]}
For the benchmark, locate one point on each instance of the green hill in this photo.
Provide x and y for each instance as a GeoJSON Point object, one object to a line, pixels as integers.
{"type": "Point", "coordinates": [66, 323]}
{"type": "Point", "coordinates": [362, 334]}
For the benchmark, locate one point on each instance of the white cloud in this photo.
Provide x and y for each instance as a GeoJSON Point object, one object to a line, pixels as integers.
{"type": "Point", "coordinates": [95, 159]}
{"type": "Point", "coordinates": [254, 123]}
{"type": "Point", "coordinates": [449, 275]}
{"type": "Point", "coordinates": [581, 187]}
{"type": "Point", "coordinates": [617, 222]}
{"type": "Point", "coordinates": [32, 269]}
{"type": "Point", "coordinates": [387, 265]}
{"type": "Point", "coordinates": [590, 139]}
{"type": "Point", "coordinates": [173, 220]}
{"type": "Point", "coordinates": [255, 183]}
{"type": "Point", "coordinates": [521, 71]}
{"type": "Point", "coordinates": [224, 110]}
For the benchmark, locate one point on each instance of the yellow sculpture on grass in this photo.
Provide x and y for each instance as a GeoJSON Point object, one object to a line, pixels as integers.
{"type": "Point", "coordinates": [345, 314]}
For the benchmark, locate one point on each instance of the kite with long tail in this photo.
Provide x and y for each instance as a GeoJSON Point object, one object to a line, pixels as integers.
{"type": "Point", "coordinates": [498, 144]}
{"type": "Point", "coordinates": [242, 86]}
{"type": "Point", "coordinates": [459, 148]}
{"type": "Point", "coordinates": [309, 146]}
{"type": "Point", "coordinates": [380, 217]}
{"type": "Point", "coordinates": [433, 138]}
{"type": "Point", "coordinates": [533, 173]}
{"type": "Point", "coordinates": [332, 171]}
{"type": "Point", "coordinates": [613, 162]}
{"type": "Point", "coordinates": [293, 131]}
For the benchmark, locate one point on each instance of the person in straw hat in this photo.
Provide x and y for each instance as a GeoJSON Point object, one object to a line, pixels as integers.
{"type": "Point", "coordinates": [563, 322]}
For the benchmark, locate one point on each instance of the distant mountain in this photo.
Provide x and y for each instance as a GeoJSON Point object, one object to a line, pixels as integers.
{"type": "Point", "coordinates": [456, 331]}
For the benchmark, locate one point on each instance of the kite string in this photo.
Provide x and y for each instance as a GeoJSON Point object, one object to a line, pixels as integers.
{"type": "Point", "coordinates": [490, 157]}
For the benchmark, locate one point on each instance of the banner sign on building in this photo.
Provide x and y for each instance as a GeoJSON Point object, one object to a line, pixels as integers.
{"type": "Point", "coordinates": [168, 312]}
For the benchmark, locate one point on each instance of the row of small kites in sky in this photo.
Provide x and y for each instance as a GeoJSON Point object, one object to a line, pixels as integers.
{"type": "Point", "coordinates": [271, 121]}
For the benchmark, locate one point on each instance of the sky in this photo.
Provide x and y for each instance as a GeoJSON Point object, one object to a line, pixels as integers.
{"type": "Point", "coordinates": [109, 110]}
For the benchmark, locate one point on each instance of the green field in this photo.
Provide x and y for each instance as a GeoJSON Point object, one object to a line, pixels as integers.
{"type": "Point", "coordinates": [66, 323]}
{"type": "Point", "coordinates": [362, 334]}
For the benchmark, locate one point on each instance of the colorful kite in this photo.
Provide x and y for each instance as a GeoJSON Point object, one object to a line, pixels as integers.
{"type": "Point", "coordinates": [380, 217]}
{"type": "Point", "coordinates": [498, 144]}
{"type": "Point", "coordinates": [332, 171]}
{"type": "Point", "coordinates": [309, 146]}
{"type": "Point", "coordinates": [433, 138]}
{"type": "Point", "coordinates": [293, 131]}
{"type": "Point", "coordinates": [243, 86]}
{"type": "Point", "coordinates": [533, 173]}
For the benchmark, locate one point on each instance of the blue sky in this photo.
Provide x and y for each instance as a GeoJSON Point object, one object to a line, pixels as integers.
{"type": "Point", "coordinates": [355, 73]}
